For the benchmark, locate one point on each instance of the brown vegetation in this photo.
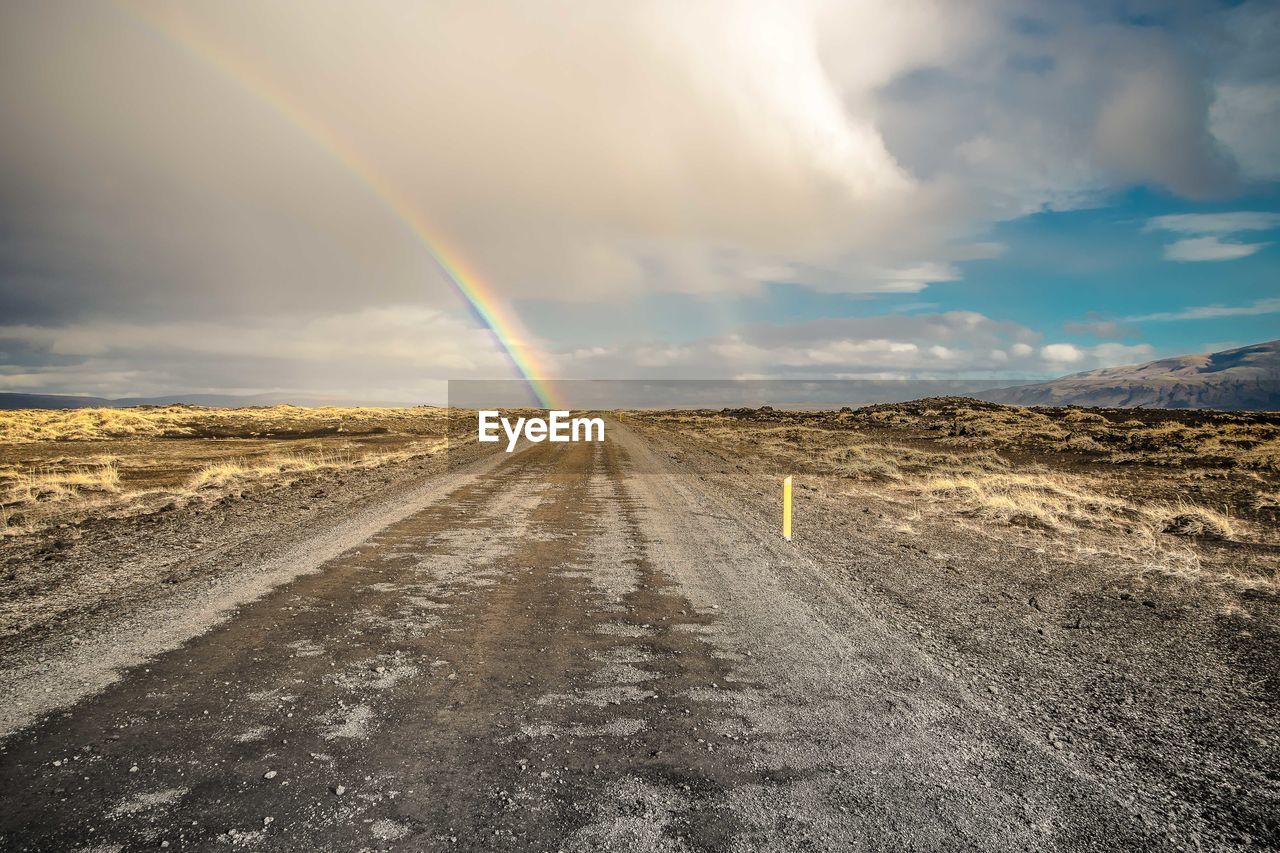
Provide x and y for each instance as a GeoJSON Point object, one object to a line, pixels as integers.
{"type": "Point", "coordinates": [1178, 490]}
{"type": "Point", "coordinates": [39, 425]}
{"type": "Point", "coordinates": [59, 467]}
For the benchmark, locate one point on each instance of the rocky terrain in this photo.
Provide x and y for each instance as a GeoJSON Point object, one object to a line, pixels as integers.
{"type": "Point", "coordinates": [584, 647]}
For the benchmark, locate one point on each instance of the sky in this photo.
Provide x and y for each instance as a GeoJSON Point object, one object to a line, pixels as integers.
{"type": "Point", "coordinates": [246, 197]}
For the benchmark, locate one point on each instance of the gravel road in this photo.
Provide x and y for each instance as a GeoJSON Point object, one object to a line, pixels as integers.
{"type": "Point", "coordinates": [580, 648]}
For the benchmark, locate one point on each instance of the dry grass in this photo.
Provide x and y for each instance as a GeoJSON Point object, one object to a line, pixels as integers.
{"type": "Point", "coordinates": [237, 472]}
{"type": "Point", "coordinates": [32, 501]}
{"type": "Point", "coordinates": [1244, 441]}
{"type": "Point", "coordinates": [49, 483]}
{"type": "Point", "coordinates": [27, 425]}
{"type": "Point", "coordinates": [59, 466]}
{"type": "Point", "coordinates": [1187, 519]}
{"type": "Point", "coordinates": [1048, 501]}
{"type": "Point", "coordinates": [1071, 505]}
{"type": "Point", "coordinates": [1266, 501]}
{"type": "Point", "coordinates": [1063, 503]}
{"type": "Point", "coordinates": [44, 491]}
{"type": "Point", "coordinates": [57, 485]}
{"type": "Point", "coordinates": [221, 474]}
{"type": "Point", "coordinates": [39, 425]}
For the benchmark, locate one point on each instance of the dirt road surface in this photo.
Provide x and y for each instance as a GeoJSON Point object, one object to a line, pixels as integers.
{"type": "Point", "coordinates": [580, 648]}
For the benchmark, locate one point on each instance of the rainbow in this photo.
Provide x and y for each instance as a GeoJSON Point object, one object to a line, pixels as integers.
{"type": "Point", "coordinates": [487, 306]}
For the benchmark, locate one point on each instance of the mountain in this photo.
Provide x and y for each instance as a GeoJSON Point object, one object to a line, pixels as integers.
{"type": "Point", "coordinates": [49, 401]}
{"type": "Point", "coordinates": [62, 401]}
{"type": "Point", "coordinates": [233, 400]}
{"type": "Point", "coordinates": [1244, 379]}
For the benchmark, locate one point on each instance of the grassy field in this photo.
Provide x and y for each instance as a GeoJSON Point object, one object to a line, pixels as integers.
{"type": "Point", "coordinates": [57, 466]}
{"type": "Point", "coordinates": [1189, 491]}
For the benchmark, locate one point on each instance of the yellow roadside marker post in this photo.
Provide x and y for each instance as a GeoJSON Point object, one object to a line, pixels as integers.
{"type": "Point", "coordinates": [786, 508]}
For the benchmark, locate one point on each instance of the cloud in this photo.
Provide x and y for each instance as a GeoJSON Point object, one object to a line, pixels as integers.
{"type": "Point", "coordinates": [406, 353]}
{"type": "Point", "coordinates": [947, 345]}
{"type": "Point", "coordinates": [1211, 312]}
{"type": "Point", "coordinates": [1215, 223]}
{"type": "Point", "coordinates": [1145, 107]}
{"type": "Point", "coordinates": [707, 142]}
{"type": "Point", "coordinates": [1112, 355]}
{"type": "Point", "coordinates": [1209, 249]}
{"type": "Point", "coordinates": [1210, 245]}
{"type": "Point", "coordinates": [393, 353]}
{"type": "Point", "coordinates": [1247, 118]}
{"type": "Point", "coordinates": [1245, 112]}
{"type": "Point", "coordinates": [247, 166]}
{"type": "Point", "coordinates": [1061, 353]}
{"type": "Point", "coordinates": [1100, 355]}
{"type": "Point", "coordinates": [1100, 329]}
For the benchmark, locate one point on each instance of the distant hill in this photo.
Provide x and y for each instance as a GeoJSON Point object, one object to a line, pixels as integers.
{"type": "Point", "coordinates": [49, 401]}
{"type": "Point", "coordinates": [1244, 379]}
{"type": "Point", "coordinates": [61, 401]}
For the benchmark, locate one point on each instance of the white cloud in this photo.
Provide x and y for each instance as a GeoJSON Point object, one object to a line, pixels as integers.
{"type": "Point", "coordinates": [1211, 229]}
{"type": "Point", "coordinates": [950, 345]}
{"type": "Point", "coordinates": [1111, 355]}
{"type": "Point", "coordinates": [1215, 223]}
{"type": "Point", "coordinates": [1061, 353]}
{"type": "Point", "coordinates": [1209, 249]}
{"type": "Point", "coordinates": [1211, 312]}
